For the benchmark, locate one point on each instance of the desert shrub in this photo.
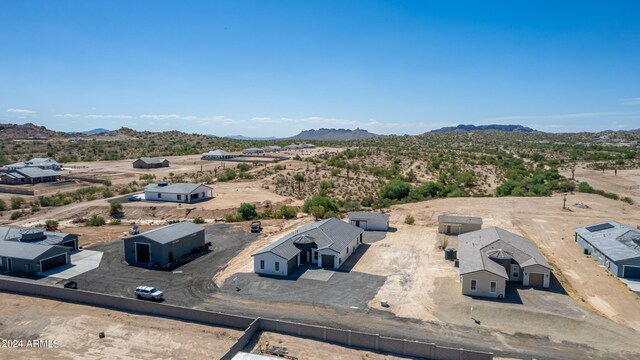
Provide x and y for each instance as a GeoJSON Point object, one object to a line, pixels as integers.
{"type": "Point", "coordinates": [443, 243]}
{"type": "Point", "coordinates": [125, 191]}
{"type": "Point", "coordinates": [245, 175]}
{"type": "Point", "coordinates": [107, 193]}
{"type": "Point", "coordinates": [198, 220]}
{"type": "Point", "coordinates": [326, 202]}
{"type": "Point", "coordinates": [395, 190]}
{"type": "Point", "coordinates": [51, 225]}
{"type": "Point", "coordinates": [279, 167]}
{"type": "Point", "coordinates": [115, 208]}
{"type": "Point", "coordinates": [95, 220]}
{"type": "Point", "coordinates": [114, 222]}
{"type": "Point", "coordinates": [16, 215]}
{"type": "Point", "coordinates": [286, 212]}
{"type": "Point", "coordinates": [17, 202]}
{"type": "Point", "coordinates": [3, 205]}
{"type": "Point", "coordinates": [566, 186]}
{"type": "Point", "coordinates": [584, 187]}
{"type": "Point", "coordinates": [244, 167]}
{"type": "Point", "coordinates": [409, 220]}
{"type": "Point", "coordinates": [231, 218]}
{"type": "Point", "coordinates": [247, 211]}
{"type": "Point", "coordinates": [318, 211]}
{"type": "Point", "coordinates": [227, 175]}
{"type": "Point", "coordinates": [628, 200]}
{"type": "Point", "coordinates": [106, 183]}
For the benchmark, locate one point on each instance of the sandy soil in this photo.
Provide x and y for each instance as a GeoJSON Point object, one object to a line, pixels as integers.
{"type": "Point", "coordinates": [302, 348]}
{"type": "Point", "coordinates": [626, 183]}
{"type": "Point", "coordinates": [90, 235]}
{"type": "Point", "coordinates": [127, 336]}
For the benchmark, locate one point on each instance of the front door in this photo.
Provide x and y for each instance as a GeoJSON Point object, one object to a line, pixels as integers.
{"type": "Point", "coordinates": [143, 253]}
{"type": "Point", "coordinates": [448, 229]}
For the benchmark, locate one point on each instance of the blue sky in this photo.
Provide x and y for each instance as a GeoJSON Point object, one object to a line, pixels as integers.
{"type": "Point", "coordinates": [273, 68]}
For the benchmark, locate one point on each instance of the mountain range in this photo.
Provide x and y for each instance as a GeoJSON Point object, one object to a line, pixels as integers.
{"type": "Point", "coordinates": [242, 137]}
{"type": "Point", "coordinates": [497, 127]}
{"type": "Point", "coordinates": [334, 135]}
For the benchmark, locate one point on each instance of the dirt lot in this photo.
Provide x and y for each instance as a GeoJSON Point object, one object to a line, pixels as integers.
{"type": "Point", "coordinates": [127, 336]}
{"type": "Point", "coordinates": [310, 349]}
{"type": "Point", "coordinates": [625, 183]}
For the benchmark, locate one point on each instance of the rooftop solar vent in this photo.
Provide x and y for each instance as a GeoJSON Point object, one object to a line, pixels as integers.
{"type": "Point", "coordinates": [599, 227]}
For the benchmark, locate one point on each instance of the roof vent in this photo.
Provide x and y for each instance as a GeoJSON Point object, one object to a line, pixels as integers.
{"type": "Point", "coordinates": [32, 234]}
{"type": "Point", "coordinates": [499, 254]}
{"type": "Point", "coordinates": [303, 240]}
{"type": "Point", "coordinates": [163, 183]}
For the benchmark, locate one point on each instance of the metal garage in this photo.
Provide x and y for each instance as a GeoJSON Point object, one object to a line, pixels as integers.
{"type": "Point", "coordinates": [143, 253]}
{"type": "Point", "coordinates": [631, 271]}
{"type": "Point", "coordinates": [536, 280]}
{"type": "Point", "coordinates": [164, 246]}
{"type": "Point", "coordinates": [53, 262]}
{"type": "Point", "coordinates": [328, 261]}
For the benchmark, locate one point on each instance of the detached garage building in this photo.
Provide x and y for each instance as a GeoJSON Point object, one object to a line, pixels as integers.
{"type": "Point", "coordinates": [614, 245]}
{"type": "Point", "coordinates": [456, 225]}
{"type": "Point", "coordinates": [327, 243]}
{"type": "Point", "coordinates": [179, 192]}
{"type": "Point", "coordinates": [150, 163]}
{"type": "Point", "coordinates": [163, 246]}
{"type": "Point", "coordinates": [491, 257]}
{"type": "Point", "coordinates": [369, 220]}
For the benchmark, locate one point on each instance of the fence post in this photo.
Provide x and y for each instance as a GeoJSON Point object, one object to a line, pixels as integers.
{"type": "Point", "coordinates": [377, 342]}
{"type": "Point", "coordinates": [349, 337]}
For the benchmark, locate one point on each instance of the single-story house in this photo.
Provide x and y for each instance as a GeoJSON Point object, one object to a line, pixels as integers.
{"type": "Point", "coordinates": [38, 236]}
{"type": "Point", "coordinates": [32, 259]}
{"type": "Point", "coordinates": [614, 245]}
{"type": "Point", "coordinates": [491, 257]}
{"type": "Point", "coordinates": [273, 148]}
{"type": "Point", "coordinates": [28, 175]}
{"type": "Point", "coordinates": [178, 192]}
{"type": "Point", "coordinates": [369, 220]}
{"type": "Point", "coordinates": [42, 163]}
{"type": "Point", "coordinates": [253, 151]}
{"type": "Point", "coordinates": [327, 243]}
{"type": "Point", "coordinates": [164, 245]}
{"type": "Point", "coordinates": [217, 155]}
{"type": "Point", "coordinates": [150, 163]}
{"type": "Point", "coordinates": [293, 147]}
{"type": "Point", "coordinates": [308, 146]}
{"type": "Point", "coordinates": [456, 225]}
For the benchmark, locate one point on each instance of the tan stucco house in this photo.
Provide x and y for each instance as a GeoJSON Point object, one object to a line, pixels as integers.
{"type": "Point", "coordinates": [491, 257]}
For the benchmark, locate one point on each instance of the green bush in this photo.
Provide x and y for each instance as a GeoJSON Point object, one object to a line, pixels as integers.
{"type": "Point", "coordinates": [3, 205]}
{"type": "Point", "coordinates": [17, 202]}
{"type": "Point", "coordinates": [244, 167]}
{"type": "Point", "coordinates": [409, 220]}
{"type": "Point", "coordinates": [247, 211]}
{"type": "Point", "coordinates": [230, 218]}
{"type": "Point", "coordinates": [115, 208]}
{"type": "Point", "coordinates": [16, 215]}
{"type": "Point", "coordinates": [95, 220]}
{"type": "Point", "coordinates": [584, 187]}
{"type": "Point", "coordinates": [326, 202]}
{"type": "Point", "coordinates": [198, 220]}
{"type": "Point", "coordinates": [628, 200]}
{"type": "Point", "coordinates": [107, 194]}
{"type": "Point", "coordinates": [114, 222]}
{"type": "Point", "coordinates": [51, 225]}
{"type": "Point", "coordinates": [318, 211]}
{"type": "Point", "coordinates": [286, 212]}
{"type": "Point", "coordinates": [395, 190]}
{"type": "Point", "coordinates": [227, 175]}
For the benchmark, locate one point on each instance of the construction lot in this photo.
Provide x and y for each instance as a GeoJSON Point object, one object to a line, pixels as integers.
{"type": "Point", "coordinates": [127, 336]}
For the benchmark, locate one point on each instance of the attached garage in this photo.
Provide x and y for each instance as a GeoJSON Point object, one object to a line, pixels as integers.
{"type": "Point", "coordinates": [53, 262]}
{"type": "Point", "coordinates": [328, 261]}
{"type": "Point", "coordinates": [536, 280]}
{"type": "Point", "coordinates": [630, 271]}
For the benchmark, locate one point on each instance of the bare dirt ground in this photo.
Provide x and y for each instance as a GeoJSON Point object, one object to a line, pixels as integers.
{"type": "Point", "coordinates": [626, 183]}
{"type": "Point", "coordinates": [127, 336]}
{"type": "Point", "coordinates": [89, 235]}
{"type": "Point", "coordinates": [302, 348]}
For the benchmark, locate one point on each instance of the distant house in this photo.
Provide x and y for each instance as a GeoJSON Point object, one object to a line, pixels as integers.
{"type": "Point", "coordinates": [42, 163]}
{"type": "Point", "coordinates": [456, 225]}
{"type": "Point", "coordinates": [217, 155]}
{"type": "Point", "coordinates": [614, 245]}
{"type": "Point", "coordinates": [308, 146]}
{"type": "Point", "coordinates": [273, 148]}
{"type": "Point", "coordinates": [150, 163]}
{"type": "Point", "coordinates": [75, 139]}
{"type": "Point", "coordinates": [327, 243]}
{"type": "Point", "coordinates": [491, 257]}
{"type": "Point", "coordinates": [163, 246]}
{"type": "Point", "coordinates": [179, 192]}
{"type": "Point", "coordinates": [369, 220]}
{"type": "Point", "coordinates": [28, 175]}
{"type": "Point", "coordinates": [293, 147]}
{"type": "Point", "coordinates": [253, 151]}
{"type": "Point", "coordinates": [33, 251]}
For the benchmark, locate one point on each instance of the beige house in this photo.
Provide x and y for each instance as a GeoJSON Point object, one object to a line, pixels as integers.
{"type": "Point", "coordinates": [456, 225]}
{"type": "Point", "coordinates": [491, 257]}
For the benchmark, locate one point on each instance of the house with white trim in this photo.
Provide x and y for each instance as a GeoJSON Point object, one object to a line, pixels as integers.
{"type": "Point", "coordinates": [178, 192]}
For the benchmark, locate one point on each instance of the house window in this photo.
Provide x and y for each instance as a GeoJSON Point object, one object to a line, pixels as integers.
{"type": "Point", "coordinates": [202, 194]}
{"type": "Point", "coordinates": [347, 250]}
{"type": "Point", "coordinates": [516, 273]}
{"type": "Point", "coordinates": [277, 266]}
{"type": "Point", "coordinates": [261, 264]}
{"type": "Point", "coordinates": [315, 255]}
{"type": "Point", "coordinates": [179, 197]}
{"type": "Point", "coordinates": [474, 285]}
{"type": "Point", "coordinates": [339, 261]}
{"type": "Point", "coordinates": [493, 286]}
{"type": "Point", "coordinates": [159, 195]}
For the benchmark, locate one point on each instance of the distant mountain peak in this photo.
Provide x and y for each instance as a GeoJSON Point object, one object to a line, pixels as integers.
{"type": "Point", "coordinates": [495, 127]}
{"type": "Point", "coordinates": [334, 134]}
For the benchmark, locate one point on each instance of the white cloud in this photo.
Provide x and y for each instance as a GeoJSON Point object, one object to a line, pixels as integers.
{"type": "Point", "coordinates": [116, 117]}
{"type": "Point", "coordinates": [160, 116]}
{"type": "Point", "coordinates": [68, 115]}
{"type": "Point", "coordinates": [631, 101]}
{"type": "Point", "coordinates": [20, 111]}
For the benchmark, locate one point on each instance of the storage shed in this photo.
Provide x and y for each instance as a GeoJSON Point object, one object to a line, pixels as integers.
{"type": "Point", "coordinates": [369, 220]}
{"type": "Point", "coordinates": [150, 163]}
{"type": "Point", "coordinates": [164, 245]}
{"type": "Point", "coordinates": [614, 245]}
{"type": "Point", "coordinates": [456, 225]}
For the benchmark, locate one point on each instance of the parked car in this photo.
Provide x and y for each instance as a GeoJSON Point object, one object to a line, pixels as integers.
{"type": "Point", "coordinates": [135, 230]}
{"type": "Point", "coordinates": [256, 227]}
{"type": "Point", "coordinates": [134, 198]}
{"type": "Point", "coordinates": [148, 293]}
{"type": "Point", "coordinates": [71, 285]}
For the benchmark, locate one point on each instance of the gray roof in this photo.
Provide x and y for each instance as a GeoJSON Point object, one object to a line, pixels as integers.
{"type": "Point", "coordinates": [47, 237]}
{"type": "Point", "coordinates": [252, 150]}
{"type": "Point", "coordinates": [177, 188]}
{"type": "Point", "coordinates": [34, 172]}
{"type": "Point", "coordinates": [153, 160]}
{"type": "Point", "coordinates": [167, 234]}
{"type": "Point", "coordinates": [368, 215]}
{"type": "Point", "coordinates": [35, 162]}
{"type": "Point", "coordinates": [475, 250]}
{"type": "Point", "coordinates": [26, 251]}
{"type": "Point", "coordinates": [615, 240]}
{"type": "Point", "coordinates": [459, 219]}
{"type": "Point", "coordinates": [217, 153]}
{"type": "Point", "coordinates": [331, 233]}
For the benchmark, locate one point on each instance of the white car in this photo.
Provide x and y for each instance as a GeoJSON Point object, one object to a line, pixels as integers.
{"type": "Point", "coordinates": [149, 293]}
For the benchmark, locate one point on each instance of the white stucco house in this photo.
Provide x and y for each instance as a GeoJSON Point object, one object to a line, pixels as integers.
{"type": "Point", "coordinates": [326, 243]}
{"type": "Point", "coordinates": [179, 192]}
